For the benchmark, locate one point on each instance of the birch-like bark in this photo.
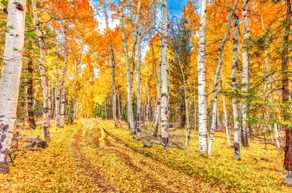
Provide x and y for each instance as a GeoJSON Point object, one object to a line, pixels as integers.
{"type": "Point", "coordinates": [139, 88]}
{"type": "Point", "coordinates": [118, 103]}
{"type": "Point", "coordinates": [112, 54]}
{"type": "Point", "coordinates": [164, 75]}
{"type": "Point", "coordinates": [129, 79]}
{"type": "Point", "coordinates": [42, 71]}
{"type": "Point", "coordinates": [234, 90]}
{"type": "Point", "coordinates": [157, 123]}
{"type": "Point", "coordinates": [225, 115]}
{"type": "Point", "coordinates": [136, 35]}
{"type": "Point", "coordinates": [195, 112]}
{"type": "Point", "coordinates": [244, 75]}
{"type": "Point", "coordinates": [29, 90]}
{"type": "Point", "coordinates": [201, 80]}
{"type": "Point", "coordinates": [52, 104]}
{"type": "Point", "coordinates": [217, 77]}
{"type": "Point", "coordinates": [148, 107]}
{"type": "Point", "coordinates": [63, 77]}
{"type": "Point", "coordinates": [62, 94]}
{"type": "Point", "coordinates": [10, 79]}
{"type": "Point", "coordinates": [57, 104]}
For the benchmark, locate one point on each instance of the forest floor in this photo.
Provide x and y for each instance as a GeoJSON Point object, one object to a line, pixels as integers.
{"type": "Point", "coordinates": [94, 156]}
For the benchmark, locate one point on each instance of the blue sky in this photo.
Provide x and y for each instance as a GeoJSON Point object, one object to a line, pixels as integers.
{"type": "Point", "coordinates": [176, 6]}
{"type": "Point", "coordinates": [175, 9]}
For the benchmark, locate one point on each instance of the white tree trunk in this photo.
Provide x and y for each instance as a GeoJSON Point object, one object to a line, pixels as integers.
{"type": "Point", "coordinates": [201, 80]}
{"type": "Point", "coordinates": [112, 54]}
{"type": "Point", "coordinates": [157, 123]}
{"type": "Point", "coordinates": [217, 77]}
{"type": "Point", "coordinates": [148, 107]}
{"type": "Point", "coordinates": [139, 88]}
{"type": "Point", "coordinates": [30, 115]}
{"type": "Point", "coordinates": [195, 112]}
{"type": "Point", "coordinates": [129, 79]}
{"type": "Point", "coordinates": [61, 119]}
{"type": "Point", "coordinates": [57, 104]}
{"type": "Point", "coordinates": [225, 118]}
{"type": "Point", "coordinates": [234, 90]}
{"type": "Point", "coordinates": [164, 75]}
{"type": "Point", "coordinates": [10, 79]}
{"type": "Point", "coordinates": [42, 71]}
{"type": "Point", "coordinates": [245, 75]}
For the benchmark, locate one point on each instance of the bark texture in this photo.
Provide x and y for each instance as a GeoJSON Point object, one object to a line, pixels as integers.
{"type": "Point", "coordinates": [244, 76]}
{"type": "Point", "coordinates": [217, 77]}
{"type": "Point", "coordinates": [62, 95]}
{"type": "Point", "coordinates": [235, 91]}
{"type": "Point", "coordinates": [129, 79]}
{"type": "Point", "coordinates": [112, 55]}
{"type": "Point", "coordinates": [42, 71]}
{"type": "Point", "coordinates": [164, 75]}
{"type": "Point", "coordinates": [139, 88]}
{"type": "Point", "coordinates": [30, 92]}
{"type": "Point", "coordinates": [157, 124]}
{"type": "Point", "coordinates": [225, 116]}
{"type": "Point", "coordinates": [202, 111]}
{"type": "Point", "coordinates": [10, 78]}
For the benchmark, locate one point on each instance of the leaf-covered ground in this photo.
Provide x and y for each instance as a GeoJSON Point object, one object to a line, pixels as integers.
{"type": "Point", "coordinates": [94, 156]}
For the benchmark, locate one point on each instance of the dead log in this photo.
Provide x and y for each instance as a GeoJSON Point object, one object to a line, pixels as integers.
{"type": "Point", "coordinates": [36, 143]}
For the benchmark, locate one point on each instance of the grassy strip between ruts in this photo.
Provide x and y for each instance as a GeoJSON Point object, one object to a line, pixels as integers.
{"type": "Point", "coordinates": [259, 170]}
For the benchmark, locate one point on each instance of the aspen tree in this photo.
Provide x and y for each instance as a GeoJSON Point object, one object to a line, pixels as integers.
{"type": "Point", "coordinates": [164, 75]}
{"type": "Point", "coordinates": [202, 111]}
{"type": "Point", "coordinates": [217, 77]}
{"type": "Point", "coordinates": [113, 64]}
{"type": "Point", "coordinates": [234, 90]}
{"type": "Point", "coordinates": [245, 75]}
{"type": "Point", "coordinates": [10, 78]}
{"type": "Point", "coordinates": [42, 71]}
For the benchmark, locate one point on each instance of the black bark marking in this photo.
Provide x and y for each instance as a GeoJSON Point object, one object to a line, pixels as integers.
{"type": "Point", "coordinates": [19, 6]}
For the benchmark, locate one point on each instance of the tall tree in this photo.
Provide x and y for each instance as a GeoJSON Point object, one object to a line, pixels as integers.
{"type": "Point", "coordinates": [157, 123]}
{"type": "Point", "coordinates": [235, 90]}
{"type": "Point", "coordinates": [150, 78]}
{"type": "Point", "coordinates": [64, 53]}
{"type": "Point", "coordinates": [164, 74]}
{"type": "Point", "coordinates": [217, 76]}
{"type": "Point", "coordinates": [245, 75]}
{"type": "Point", "coordinates": [113, 64]}
{"type": "Point", "coordinates": [137, 64]}
{"type": "Point", "coordinates": [129, 79]}
{"type": "Point", "coordinates": [201, 79]}
{"type": "Point", "coordinates": [139, 86]}
{"type": "Point", "coordinates": [10, 79]}
{"type": "Point", "coordinates": [62, 112]}
{"type": "Point", "coordinates": [180, 71]}
{"type": "Point", "coordinates": [42, 70]}
{"type": "Point", "coordinates": [225, 115]}
{"type": "Point", "coordinates": [29, 88]}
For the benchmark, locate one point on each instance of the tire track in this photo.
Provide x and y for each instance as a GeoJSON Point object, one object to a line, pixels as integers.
{"type": "Point", "coordinates": [109, 145]}
{"type": "Point", "coordinates": [170, 179]}
{"type": "Point", "coordinates": [88, 168]}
